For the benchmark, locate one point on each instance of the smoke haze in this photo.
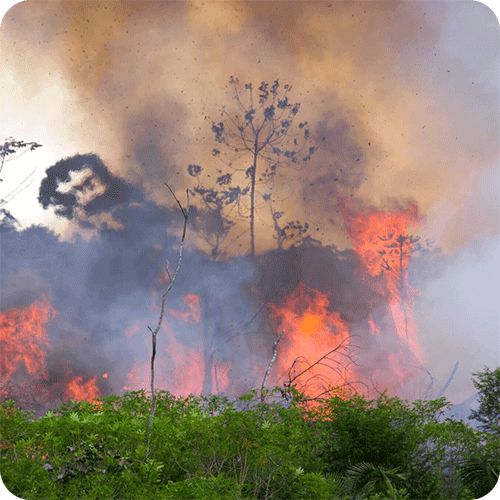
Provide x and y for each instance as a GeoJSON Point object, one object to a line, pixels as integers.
{"type": "Point", "coordinates": [402, 102]}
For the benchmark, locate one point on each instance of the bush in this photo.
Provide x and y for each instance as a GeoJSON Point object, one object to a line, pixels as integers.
{"type": "Point", "coordinates": [209, 447]}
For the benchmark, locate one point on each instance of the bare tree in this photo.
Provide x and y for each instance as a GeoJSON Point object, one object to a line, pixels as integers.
{"type": "Point", "coordinates": [260, 129]}
{"type": "Point", "coordinates": [172, 279]}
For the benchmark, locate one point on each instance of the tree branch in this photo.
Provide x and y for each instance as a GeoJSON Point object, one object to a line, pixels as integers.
{"type": "Point", "coordinates": [275, 352]}
{"type": "Point", "coordinates": [154, 332]}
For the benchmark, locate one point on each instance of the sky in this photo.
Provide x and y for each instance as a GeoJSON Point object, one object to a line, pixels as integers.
{"type": "Point", "coordinates": [401, 98]}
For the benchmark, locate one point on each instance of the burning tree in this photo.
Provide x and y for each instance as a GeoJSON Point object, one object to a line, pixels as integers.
{"type": "Point", "coordinates": [384, 247]}
{"type": "Point", "coordinates": [261, 130]}
{"type": "Point", "coordinates": [395, 259]}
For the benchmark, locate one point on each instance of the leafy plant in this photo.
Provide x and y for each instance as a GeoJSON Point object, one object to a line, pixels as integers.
{"type": "Point", "coordinates": [479, 468]}
{"type": "Point", "coordinates": [488, 385]}
{"type": "Point", "coordinates": [366, 478]}
{"type": "Point", "coordinates": [211, 447]}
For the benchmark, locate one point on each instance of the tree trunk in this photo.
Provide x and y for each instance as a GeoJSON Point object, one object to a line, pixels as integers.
{"type": "Point", "coordinates": [252, 201]}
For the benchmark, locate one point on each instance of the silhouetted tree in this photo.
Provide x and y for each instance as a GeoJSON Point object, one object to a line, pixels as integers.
{"type": "Point", "coordinates": [11, 150]}
{"type": "Point", "coordinates": [260, 129]}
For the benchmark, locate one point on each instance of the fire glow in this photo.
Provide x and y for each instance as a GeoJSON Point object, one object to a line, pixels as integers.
{"type": "Point", "coordinates": [311, 331]}
{"type": "Point", "coordinates": [185, 373]}
{"type": "Point", "coordinates": [24, 347]}
{"type": "Point", "coordinates": [317, 350]}
{"type": "Point", "coordinates": [381, 241]}
{"type": "Point", "coordinates": [24, 339]}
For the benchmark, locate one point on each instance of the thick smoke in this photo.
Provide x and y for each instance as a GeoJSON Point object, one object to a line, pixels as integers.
{"type": "Point", "coordinates": [401, 100]}
{"type": "Point", "coordinates": [105, 190]}
{"type": "Point", "coordinates": [105, 290]}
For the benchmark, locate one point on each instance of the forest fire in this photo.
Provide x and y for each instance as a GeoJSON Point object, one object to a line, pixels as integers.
{"type": "Point", "coordinates": [384, 249]}
{"type": "Point", "coordinates": [25, 372]}
{"type": "Point", "coordinates": [315, 348]}
{"type": "Point", "coordinates": [78, 390]}
{"type": "Point", "coordinates": [24, 339]}
{"type": "Point", "coordinates": [319, 323]}
{"type": "Point", "coordinates": [192, 312]}
{"type": "Point", "coordinates": [182, 367]}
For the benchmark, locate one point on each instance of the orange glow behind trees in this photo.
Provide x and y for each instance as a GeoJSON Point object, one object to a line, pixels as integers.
{"type": "Point", "coordinates": [78, 390]}
{"type": "Point", "coordinates": [384, 248]}
{"type": "Point", "coordinates": [185, 373]}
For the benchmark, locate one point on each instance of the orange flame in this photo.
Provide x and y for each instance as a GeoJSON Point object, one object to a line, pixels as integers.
{"type": "Point", "coordinates": [374, 235]}
{"type": "Point", "coordinates": [24, 343]}
{"type": "Point", "coordinates": [374, 329]}
{"type": "Point", "coordinates": [24, 340]}
{"type": "Point", "coordinates": [138, 377]}
{"type": "Point", "coordinates": [311, 332]}
{"type": "Point", "coordinates": [78, 390]}
{"type": "Point", "coordinates": [384, 247]}
{"type": "Point", "coordinates": [191, 314]}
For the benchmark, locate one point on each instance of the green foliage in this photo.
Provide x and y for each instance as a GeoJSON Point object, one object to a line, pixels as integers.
{"type": "Point", "coordinates": [210, 447]}
{"type": "Point", "coordinates": [488, 385]}
{"type": "Point", "coordinates": [479, 467]}
{"type": "Point", "coordinates": [198, 488]}
{"type": "Point", "coordinates": [386, 431]}
{"type": "Point", "coordinates": [367, 478]}
{"type": "Point", "coordinates": [318, 486]}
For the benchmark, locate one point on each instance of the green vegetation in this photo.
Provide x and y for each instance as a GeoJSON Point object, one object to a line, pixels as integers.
{"type": "Point", "coordinates": [488, 385]}
{"type": "Point", "coordinates": [341, 447]}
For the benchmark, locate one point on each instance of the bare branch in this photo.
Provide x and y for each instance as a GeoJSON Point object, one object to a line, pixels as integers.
{"type": "Point", "coordinates": [345, 351]}
{"type": "Point", "coordinates": [154, 332]}
{"type": "Point", "coordinates": [14, 149]}
{"type": "Point", "coordinates": [275, 352]}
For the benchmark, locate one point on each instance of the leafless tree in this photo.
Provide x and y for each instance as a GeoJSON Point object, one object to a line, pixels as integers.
{"type": "Point", "coordinates": [172, 278]}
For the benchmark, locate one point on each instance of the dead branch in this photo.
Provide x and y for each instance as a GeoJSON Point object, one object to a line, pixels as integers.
{"type": "Point", "coordinates": [341, 350]}
{"type": "Point", "coordinates": [275, 352]}
{"type": "Point", "coordinates": [172, 278]}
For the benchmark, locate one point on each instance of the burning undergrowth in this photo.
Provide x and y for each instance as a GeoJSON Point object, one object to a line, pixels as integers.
{"type": "Point", "coordinates": [75, 314]}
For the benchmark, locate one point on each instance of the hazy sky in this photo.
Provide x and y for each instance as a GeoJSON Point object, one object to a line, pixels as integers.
{"type": "Point", "coordinates": [406, 95]}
